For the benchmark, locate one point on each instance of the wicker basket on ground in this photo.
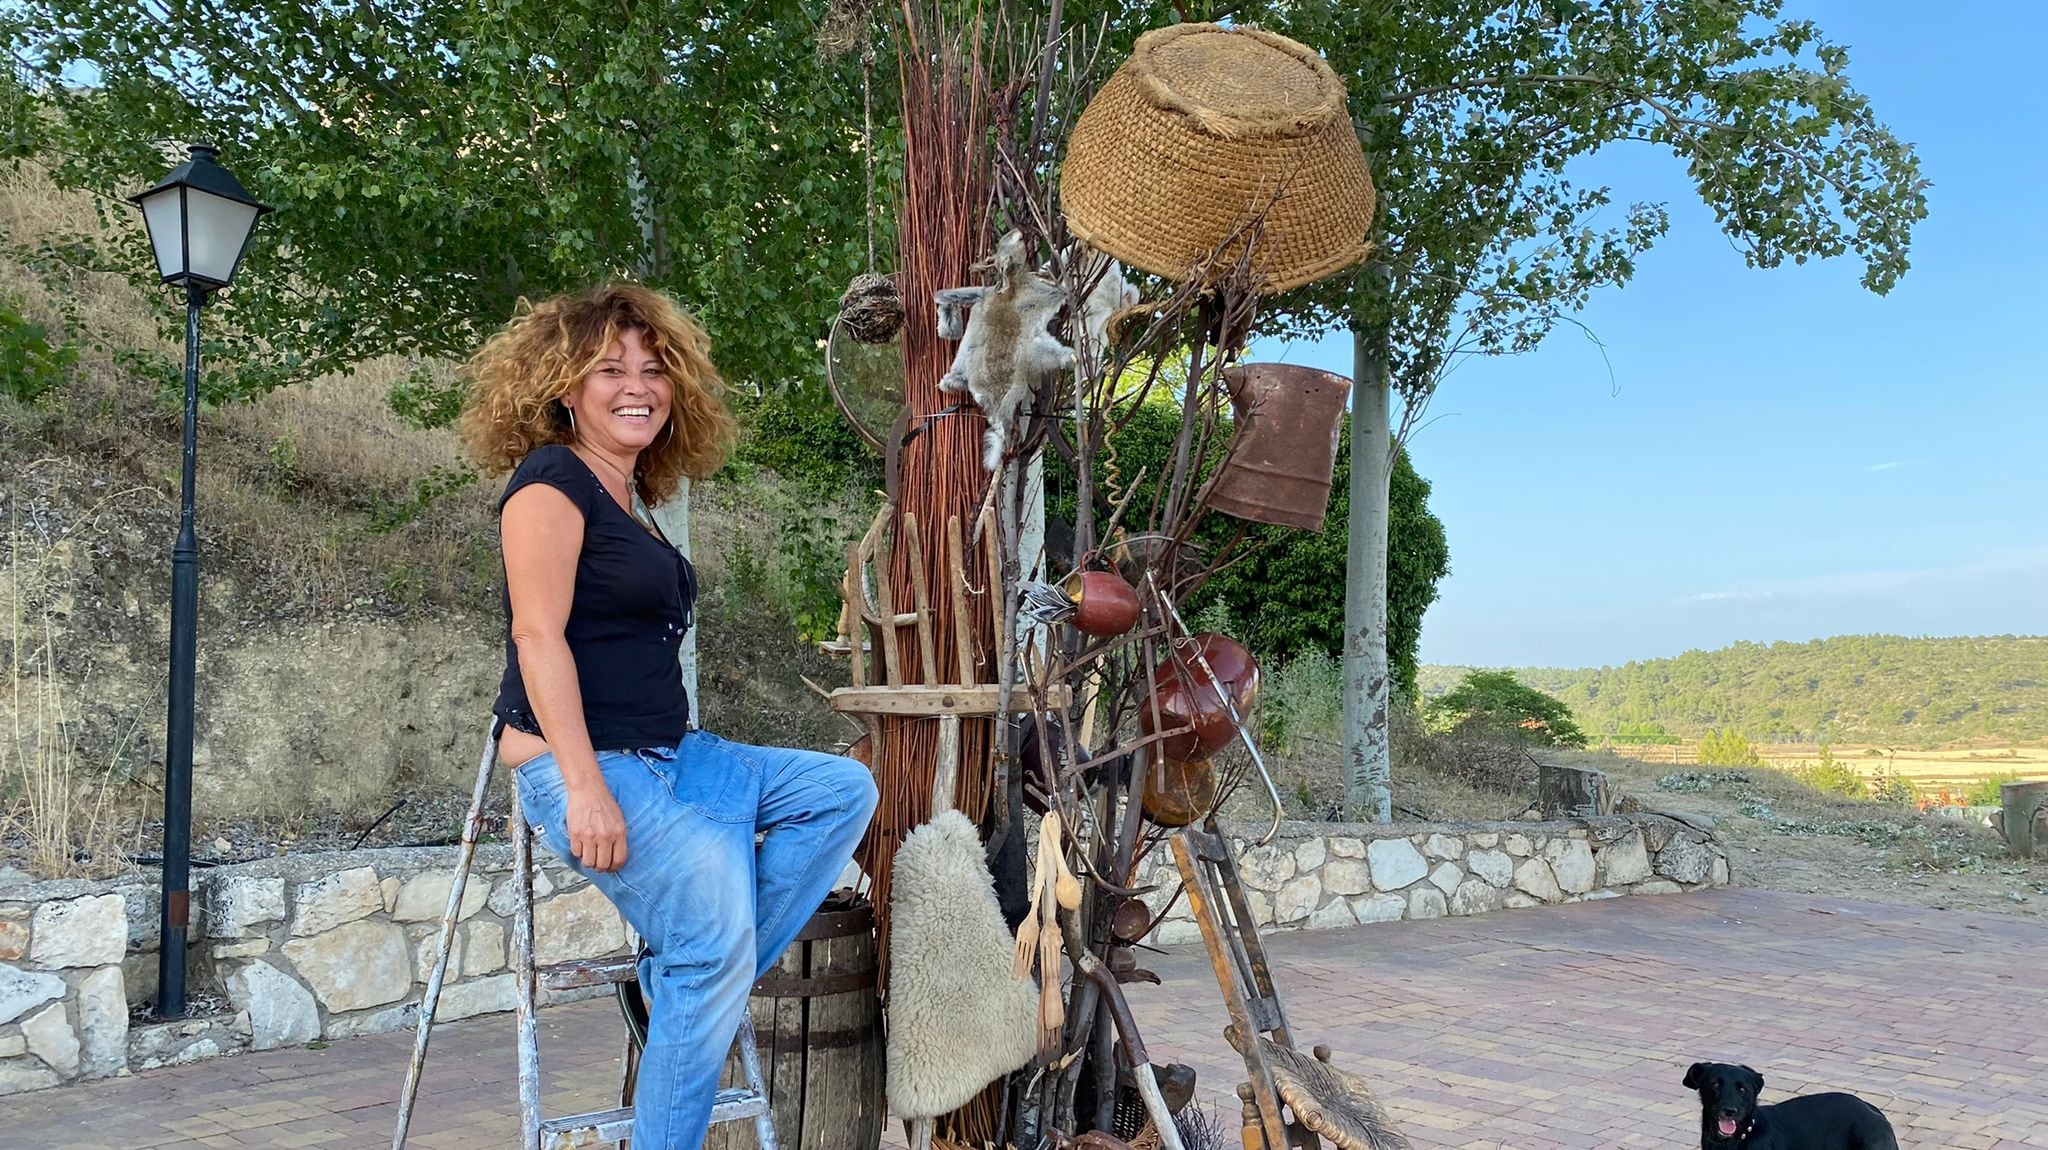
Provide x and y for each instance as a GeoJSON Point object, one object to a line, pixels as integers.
{"type": "Point", "coordinates": [1201, 133]}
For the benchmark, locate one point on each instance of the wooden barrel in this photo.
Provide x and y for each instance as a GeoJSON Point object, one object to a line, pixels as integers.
{"type": "Point", "coordinates": [818, 1025]}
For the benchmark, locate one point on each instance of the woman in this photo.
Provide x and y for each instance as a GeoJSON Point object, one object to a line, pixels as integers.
{"type": "Point", "coordinates": [590, 400]}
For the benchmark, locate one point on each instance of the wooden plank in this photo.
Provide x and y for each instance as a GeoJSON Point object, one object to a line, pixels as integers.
{"type": "Point", "coordinates": [956, 574]}
{"type": "Point", "coordinates": [852, 595]}
{"type": "Point", "coordinates": [590, 972]}
{"type": "Point", "coordinates": [921, 601]}
{"type": "Point", "coordinates": [976, 700]}
{"type": "Point", "coordinates": [1203, 904]}
{"type": "Point", "coordinates": [885, 609]}
{"type": "Point", "coordinates": [523, 980]}
{"type": "Point", "coordinates": [842, 1102]}
{"type": "Point", "coordinates": [786, 1071]}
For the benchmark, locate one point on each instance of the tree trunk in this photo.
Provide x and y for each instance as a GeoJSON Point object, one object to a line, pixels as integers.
{"type": "Point", "coordinates": [1368, 761]}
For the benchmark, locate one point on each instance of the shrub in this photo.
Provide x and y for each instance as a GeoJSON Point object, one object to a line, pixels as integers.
{"type": "Point", "coordinates": [1985, 793]}
{"type": "Point", "coordinates": [1728, 749]}
{"type": "Point", "coordinates": [1500, 699]}
{"type": "Point", "coordinates": [1830, 776]}
{"type": "Point", "coordinates": [1303, 696]}
{"type": "Point", "coordinates": [30, 366]}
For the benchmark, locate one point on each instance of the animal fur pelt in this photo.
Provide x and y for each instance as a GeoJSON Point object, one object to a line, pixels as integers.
{"type": "Point", "coordinates": [958, 1018]}
{"type": "Point", "coordinates": [1109, 292]}
{"type": "Point", "coordinates": [1005, 346]}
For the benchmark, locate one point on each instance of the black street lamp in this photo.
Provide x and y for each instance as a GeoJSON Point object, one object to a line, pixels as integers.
{"type": "Point", "coordinates": [200, 219]}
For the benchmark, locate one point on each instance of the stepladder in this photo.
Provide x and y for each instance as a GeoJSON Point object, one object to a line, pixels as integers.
{"type": "Point", "coordinates": [606, 1127]}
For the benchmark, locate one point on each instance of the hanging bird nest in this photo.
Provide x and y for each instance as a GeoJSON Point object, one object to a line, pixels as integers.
{"type": "Point", "coordinates": [845, 26]}
{"type": "Point", "coordinates": [1210, 138]}
{"type": "Point", "coordinates": [872, 308]}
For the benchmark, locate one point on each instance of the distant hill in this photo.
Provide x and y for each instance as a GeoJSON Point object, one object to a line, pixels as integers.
{"type": "Point", "coordinates": [1851, 689]}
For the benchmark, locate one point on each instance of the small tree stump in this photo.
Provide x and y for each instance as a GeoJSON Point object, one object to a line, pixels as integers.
{"type": "Point", "coordinates": [2023, 805]}
{"type": "Point", "coordinates": [1571, 792]}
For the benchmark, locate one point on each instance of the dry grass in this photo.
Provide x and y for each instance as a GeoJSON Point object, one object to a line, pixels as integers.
{"type": "Point", "coordinates": [70, 817]}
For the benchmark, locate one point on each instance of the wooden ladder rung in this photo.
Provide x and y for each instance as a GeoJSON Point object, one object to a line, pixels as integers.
{"type": "Point", "coordinates": [590, 972]}
{"type": "Point", "coordinates": [605, 1127]}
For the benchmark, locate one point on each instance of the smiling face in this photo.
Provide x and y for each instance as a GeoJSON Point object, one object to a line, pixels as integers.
{"type": "Point", "coordinates": [623, 403]}
{"type": "Point", "coordinates": [1727, 1096]}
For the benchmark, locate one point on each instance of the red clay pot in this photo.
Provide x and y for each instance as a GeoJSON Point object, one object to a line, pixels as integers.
{"type": "Point", "coordinates": [1187, 698]}
{"type": "Point", "coordinates": [1103, 603]}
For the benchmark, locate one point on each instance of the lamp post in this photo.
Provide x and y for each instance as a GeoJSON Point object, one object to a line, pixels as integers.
{"type": "Point", "coordinates": [199, 219]}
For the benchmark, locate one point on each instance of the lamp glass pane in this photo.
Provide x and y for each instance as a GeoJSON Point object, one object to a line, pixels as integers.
{"type": "Point", "coordinates": [166, 233]}
{"type": "Point", "coordinates": [219, 227]}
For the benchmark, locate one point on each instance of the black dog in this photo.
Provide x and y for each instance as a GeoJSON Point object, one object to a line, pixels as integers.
{"type": "Point", "coordinates": [1730, 1119]}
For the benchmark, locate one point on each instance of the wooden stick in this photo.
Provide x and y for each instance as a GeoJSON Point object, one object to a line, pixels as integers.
{"type": "Point", "coordinates": [885, 612]}
{"type": "Point", "coordinates": [963, 631]}
{"type": "Point", "coordinates": [921, 600]}
{"type": "Point", "coordinates": [856, 602]}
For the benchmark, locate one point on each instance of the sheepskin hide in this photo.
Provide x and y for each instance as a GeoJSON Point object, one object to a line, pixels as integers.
{"type": "Point", "coordinates": [958, 1019]}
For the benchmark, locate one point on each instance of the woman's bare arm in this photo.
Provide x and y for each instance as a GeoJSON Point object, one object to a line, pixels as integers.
{"type": "Point", "coordinates": [543, 535]}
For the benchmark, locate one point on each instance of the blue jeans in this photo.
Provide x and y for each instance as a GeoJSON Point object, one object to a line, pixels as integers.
{"type": "Point", "coordinates": [715, 910]}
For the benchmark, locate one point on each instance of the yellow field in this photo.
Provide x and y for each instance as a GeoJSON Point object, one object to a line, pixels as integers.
{"type": "Point", "coordinates": [1929, 770]}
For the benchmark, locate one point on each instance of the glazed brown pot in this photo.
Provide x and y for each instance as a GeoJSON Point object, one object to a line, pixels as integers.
{"type": "Point", "coordinates": [1103, 603]}
{"type": "Point", "coordinates": [1178, 793]}
{"type": "Point", "coordinates": [1188, 698]}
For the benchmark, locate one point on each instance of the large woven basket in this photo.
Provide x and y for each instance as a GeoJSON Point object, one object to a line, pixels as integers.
{"type": "Point", "coordinates": [1200, 133]}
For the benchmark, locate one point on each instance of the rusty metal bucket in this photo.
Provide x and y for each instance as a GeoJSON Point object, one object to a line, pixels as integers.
{"type": "Point", "coordinates": [1285, 447]}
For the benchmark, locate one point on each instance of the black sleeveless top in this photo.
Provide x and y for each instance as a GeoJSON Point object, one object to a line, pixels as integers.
{"type": "Point", "coordinates": [635, 597]}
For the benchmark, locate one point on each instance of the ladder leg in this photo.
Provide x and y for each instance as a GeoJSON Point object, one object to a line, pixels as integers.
{"type": "Point", "coordinates": [750, 1060]}
{"type": "Point", "coordinates": [431, 999]}
{"type": "Point", "coordinates": [523, 979]}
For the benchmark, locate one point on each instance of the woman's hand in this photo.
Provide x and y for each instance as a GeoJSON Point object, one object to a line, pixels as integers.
{"type": "Point", "coordinates": [597, 828]}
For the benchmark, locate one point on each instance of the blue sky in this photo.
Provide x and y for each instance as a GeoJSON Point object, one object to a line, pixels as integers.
{"type": "Point", "coordinates": [1776, 454]}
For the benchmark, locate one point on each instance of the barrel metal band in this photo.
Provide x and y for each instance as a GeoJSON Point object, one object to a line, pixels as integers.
{"type": "Point", "coordinates": [774, 984]}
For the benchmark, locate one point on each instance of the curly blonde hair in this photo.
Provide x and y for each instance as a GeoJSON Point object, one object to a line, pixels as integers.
{"type": "Point", "coordinates": [519, 376]}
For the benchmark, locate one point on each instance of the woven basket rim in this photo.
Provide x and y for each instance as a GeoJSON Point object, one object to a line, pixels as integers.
{"type": "Point", "coordinates": [1227, 125]}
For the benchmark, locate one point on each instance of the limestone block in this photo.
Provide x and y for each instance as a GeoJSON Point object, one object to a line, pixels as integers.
{"type": "Point", "coordinates": [1534, 878]}
{"type": "Point", "coordinates": [376, 1021]}
{"type": "Point", "coordinates": [1297, 899]}
{"type": "Point", "coordinates": [1484, 840]}
{"type": "Point", "coordinates": [281, 1012]}
{"type": "Point", "coordinates": [1719, 875]}
{"type": "Point", "coordinates": [389, 889]}
{"type": "Point", "coordinates": [1519, 901]}
{"type": "Point", "coordinates": [580, 924]}
{"type": "Point", "coordinates": [90, 931]}
{"type": "Point", "coordinates": [246, 948]}
{"type": "Point", "coordinates": [1175, 931]}
{"type": "Point", "coordinates": [1571, 860]}
{"type": "Point", "coordinates": [1334, 914]}
{"type": "Point", "coordinates": [1309, 855]}
{"type": "Point", "coordinates": [425, 897]}
{"type": "Point", "coordinates": [103, 1021]}
{"type": "Point", "coordinates": [1659, 832]}
{"type": "Point", "coordinates": [1518, 845]}
{"type": "Point", "coordinates": [23, 1074]}
{"type": "Point", "coordinates": [1266, 868]}
{"type": "Point", "coordinates": [13, 940]}
{"type": "Point", "coordinates": [1492, 865]}
{"type": "Point", "coordinates": [1395, 863]}
{"type": "Point", "coordinates": [1427, 902]}
{"type": "Point", "coordinates": [1685, 859]}
{"type": "Point", "coordinates": [502, 901]}
{"type": "Point", "coordinates": [483, 948]}
{"type": "Point", "coordinates": [24, 990]}
{"type": "Point", "coordinates": [12, 1045]}
{"type": "Point", "coordinates": [1447, 876]}
{"type": "Point", "coordinates": [1657, 886]}
{"type": "Point", "coordinates": [1347, 848]}
{"type": "Point", "coordinates": [1443, 847]}
{"type": "Point", "coordinates": [428, 951]}
{"type": "Point", "coordinates": [1346, 876]}
{"type": "Point", "coordinates": [1476, 896]}
{"type": "Point", "coordinates": [1260, 904]}
{"type": "Point", "coordinates": [1596, 896]}
{"type": "Point", "coordinates": [355, 965]}
{"type": "Point", "coordinates": [1626, 861]}
{"type": "Point", "coordinates": [1380, 908]}
{"type": "Point", "coordinates": [51, 1039]}
{"type": "Point", "coordinates": [480, 996]}
{"type": "Point", "coordinates": [337, 899]}
{"type": "Point", "coordinates": [236, 906]}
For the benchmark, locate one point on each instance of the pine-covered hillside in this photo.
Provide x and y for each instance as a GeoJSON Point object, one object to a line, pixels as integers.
{"type": "Point", "coordinates": [1851, 689]}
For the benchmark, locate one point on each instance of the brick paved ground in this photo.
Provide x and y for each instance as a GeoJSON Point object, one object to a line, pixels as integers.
{"type": "Point", "coordinates": [1567, 1027]}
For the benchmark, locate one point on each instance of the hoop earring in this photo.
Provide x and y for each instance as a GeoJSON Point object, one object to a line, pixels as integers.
{"type": "Point", "coordinates": [668, 431]}
{"type": "Point", "coordinates": [572, 420]}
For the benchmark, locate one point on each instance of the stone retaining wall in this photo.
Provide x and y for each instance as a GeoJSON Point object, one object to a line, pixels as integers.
{"type": "Point", "coordinates": [1320, 875]}
{"type": "Point", "coordinates": [324, 946]}
{"type": "Point", "coordinates": [305, 947]}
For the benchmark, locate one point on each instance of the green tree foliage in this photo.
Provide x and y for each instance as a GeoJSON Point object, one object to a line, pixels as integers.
{"type": "Point", "coordinates": [31, 367]}
{"type": "Point", "coordinates": [1501, 700]}
{"type": "Point", "coordinates": [1848, 689]}
{"type": "Point", "coordinates": [1286, 595]}
{"type": "Point", "coordinates": [1729, 748]}
{"type": "Point", "coordinates": [435, 161]}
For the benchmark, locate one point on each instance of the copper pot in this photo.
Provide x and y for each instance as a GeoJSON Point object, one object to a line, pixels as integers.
{"type": "Point", "coordinates": [1178, 793]}
{"type": "Point", "coordinates": [1187, 698]}
{"type": "Point", "coordinates": [1103, 603]}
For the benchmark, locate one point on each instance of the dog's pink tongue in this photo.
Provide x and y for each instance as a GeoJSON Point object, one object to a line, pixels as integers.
{"type": "Point", "coordinates": [1727, 1127]}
